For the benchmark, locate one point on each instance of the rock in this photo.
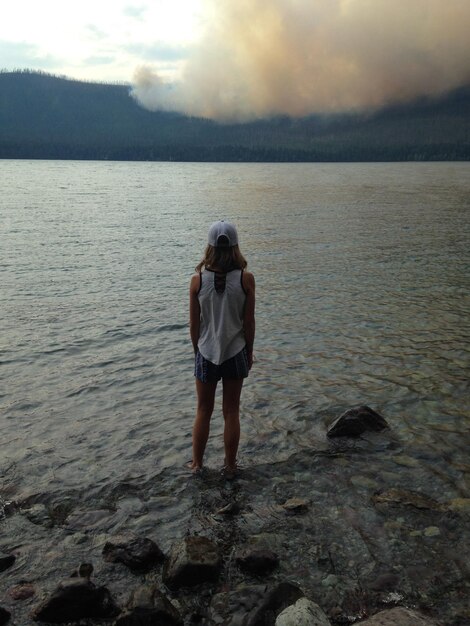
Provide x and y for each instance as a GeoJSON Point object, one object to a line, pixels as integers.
{"type": "Point", "coordinates": [148, 606]}
{"type": "Point", "coordinates": [411, 498]}
{"type": "Point", "coordinates": [330, 581]}
{"type": "Point", "coordinates": [405, 460]}
{"type": "Point", "coordinates": [256, 605]}
{"type": "Point", "coordinates": [138, 554]}
{"type": "Point", "coordinates": [98, 520]}
{"type": "Point", "coordinates": [355, 421]}
{"type": "Point", "coordinates": [295, 505]}
{"type": "Point", "coordinates": [192, 561]}
{"type": "Point", "coordinates": [364, 482]}
{"type": "Point", "coordinates": [22, 591]}
{"type": "Point", "coordinates": [4, 616]}
{"type": "Point", "coordinates": [75, 599]}
{"type": "Point", "coordinates": [459, 505]}
{"type": "Point", "coordinates": [6, 561]}
{"type": "Point", "coordinates": [232, 508]}
{"type": "Point", "coordinates": [84, 570]}
{"type": "Point", "coordinates": [39, 515]}
{"type": "Point", "coordinates": [256, 561]}
{"type": "Point", "coordinates": [398, 616]}
{"type": "Point", "coordinates": [302, 613]}
{"type": "Point", "coordinates": [385, 582]}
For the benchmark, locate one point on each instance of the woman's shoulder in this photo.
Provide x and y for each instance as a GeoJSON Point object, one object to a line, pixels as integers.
{"type": "Point", "coordinates": [248, 280]}
{"type": "Point", "coordinates": [195, 282]}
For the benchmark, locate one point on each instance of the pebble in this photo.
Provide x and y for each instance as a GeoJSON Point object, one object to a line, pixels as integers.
{"type": "Point", "coordinates": [363, 481]}
{"type": "Point", "coordinates": [407, 461]}
{"type": "Point", "coordinates": [22, 591]}
{"type": "Point", "coordinates": [295, 505]}
{"type": "Point", "coordinates": [330, 581]}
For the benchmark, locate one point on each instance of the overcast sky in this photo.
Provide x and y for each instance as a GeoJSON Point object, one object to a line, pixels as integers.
{"type": "Point", "coordinates": [98, 39]}
{"type": "Point", "coordinates": [242, 59]}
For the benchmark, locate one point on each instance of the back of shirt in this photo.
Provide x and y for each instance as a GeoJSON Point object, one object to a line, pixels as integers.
{"type": "Point", "coordinates": [222, 302]}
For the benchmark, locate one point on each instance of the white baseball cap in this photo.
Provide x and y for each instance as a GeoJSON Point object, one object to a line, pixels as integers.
{"type": "Point", "coordinates": [222, 234]}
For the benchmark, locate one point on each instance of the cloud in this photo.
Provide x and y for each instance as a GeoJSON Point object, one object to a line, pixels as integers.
{"type": "Point", "coordinates": [94, 32]}
{"type": "Point", "coordinates": [158, 51]}
{"type": "Point", "coordinates": [22, 55]}
{"type": "Point", "coordinates": [138, 12]}
{"type": "Point", "coordinates": [99, 59]}
{"type": "Point", "coordinates": [297, 57]}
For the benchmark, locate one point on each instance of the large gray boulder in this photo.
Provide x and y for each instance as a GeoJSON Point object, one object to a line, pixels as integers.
{"type": "Point", "coordinates": [192, 561]}
{"type": "Point", "coordinates": [147, 607]}
{"type": "Point", "coordinates": [303, 613]}
{"type": "Point", "coordinates": [398, 616]}
{"type": "Point", "coordinates": [75, 599]}
{"type": "Point", "coordinates": [356, 421]}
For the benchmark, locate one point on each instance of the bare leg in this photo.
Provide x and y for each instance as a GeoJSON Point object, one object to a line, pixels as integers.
{"type": "Point", "coordinates": [205, 406]}
{"type": "Point", "coordinates": [232, 389]}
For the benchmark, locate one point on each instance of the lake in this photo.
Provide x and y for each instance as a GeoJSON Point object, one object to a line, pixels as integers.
{"type": "Point", "coordinates": [362, 275]}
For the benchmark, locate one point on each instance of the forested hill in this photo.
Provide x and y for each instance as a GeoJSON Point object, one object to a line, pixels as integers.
{"type": "Point", "coordinates": [43, 116]}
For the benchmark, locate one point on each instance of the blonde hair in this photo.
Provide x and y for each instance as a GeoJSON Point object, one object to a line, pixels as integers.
{"type": "Point", "coordinates": [222, 258]}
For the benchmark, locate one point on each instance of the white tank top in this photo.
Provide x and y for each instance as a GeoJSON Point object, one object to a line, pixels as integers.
{"type": "Point", "coordinates": [221, 334]}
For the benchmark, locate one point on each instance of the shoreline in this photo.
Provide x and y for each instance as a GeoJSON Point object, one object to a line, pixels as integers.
{"type": "Point", "coordinates": [372, 524]}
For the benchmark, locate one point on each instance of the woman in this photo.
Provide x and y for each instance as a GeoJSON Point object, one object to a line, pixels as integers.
{"type": "Point", "coordinates": [222, 326]}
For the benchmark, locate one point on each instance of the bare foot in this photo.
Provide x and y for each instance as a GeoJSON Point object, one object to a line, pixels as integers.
{"type": "Point", "coordinates": [195, 469]}
{"type": "Point", "coordinates": [229, 473]}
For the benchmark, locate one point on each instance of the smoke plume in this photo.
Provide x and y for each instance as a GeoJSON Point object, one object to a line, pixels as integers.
{"type": "Point", "coordinates": [265, 57]}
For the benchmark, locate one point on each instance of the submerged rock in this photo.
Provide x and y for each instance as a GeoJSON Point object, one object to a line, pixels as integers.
{"type": "Point", "coordinates": [459, 505]}
{"type": "Point", "coordinates": [295, 505]}
{"type": "Point", "coordinates": [253, 605]}
{"type": "Point", "coordinates": [138, 554]}
{"type": "Point", "coordinates": [6, 561]}
{"type": "Point", "coordinates": [302, 613]}
{"type": "Point", "coordinates": [75, 599]}
{"type": "Point", "coordinates": [4, 616]}
{"type": "Point", "coordinates": [148, 606]}
{"type": "Point", "coordinates": [84, 570]}
{"type": "Point", "coordinates": [38, 515]}
{"type": "Point", "coordinates": [257, 561]}
{"type": "Point", "coordinates": [192, 561]}
{"type": "Point", "coordinates": [22, 591]}
{"type": "Point", "coordinates": [398, 616]}
{"type": "Point", "coordinates": [356, 421]}
{"type": "Point", "coordinates": [385, 582]}
{"type": "Point", "coordinates": [404, 496]}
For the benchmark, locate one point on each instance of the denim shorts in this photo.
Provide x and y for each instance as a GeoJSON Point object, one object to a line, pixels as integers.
{"type": "Point", "coordinates": [207, 372]}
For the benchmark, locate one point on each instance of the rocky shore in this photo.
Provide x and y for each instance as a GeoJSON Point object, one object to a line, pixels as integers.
{"type": "Point", "coordinates": [366, 531]}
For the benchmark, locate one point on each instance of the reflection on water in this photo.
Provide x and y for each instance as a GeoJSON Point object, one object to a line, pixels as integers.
{"type": "Point", "coordinates": [362, 279]}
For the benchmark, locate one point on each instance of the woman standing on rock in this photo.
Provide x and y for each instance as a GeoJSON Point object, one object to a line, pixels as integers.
{"type": "Point", "coordinates": [222, 326]}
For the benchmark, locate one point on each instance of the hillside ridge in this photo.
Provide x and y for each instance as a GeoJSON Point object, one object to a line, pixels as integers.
{"type": "Point", "coordinates": [52, 117]}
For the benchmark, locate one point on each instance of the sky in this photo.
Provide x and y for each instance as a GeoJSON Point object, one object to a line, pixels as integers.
{"type": "Point", "coordinates": [102, 40]}
{"type": "Point", "coordinates": [245, 59]}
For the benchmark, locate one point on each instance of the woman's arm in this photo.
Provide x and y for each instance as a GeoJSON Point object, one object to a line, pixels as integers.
{"type": "Point", "coordinates": [249, 315]}
{"type": "Point", "coordinates": [194, 310]}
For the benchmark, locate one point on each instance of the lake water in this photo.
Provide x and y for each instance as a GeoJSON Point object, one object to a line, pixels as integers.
{"type": "Point", "coordinates": [362, 277]}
